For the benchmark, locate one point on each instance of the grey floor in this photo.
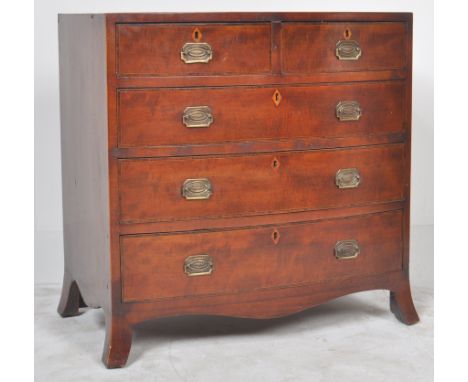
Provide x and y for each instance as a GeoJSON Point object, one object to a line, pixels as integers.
{"type": "Point", "coordinates": [353, 338]}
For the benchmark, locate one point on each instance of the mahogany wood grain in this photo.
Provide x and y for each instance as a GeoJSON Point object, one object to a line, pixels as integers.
{"type": "Point", "coordinates": [312, 47]}
{"type": "Point", "coordinates": [154, 117]}
{"type": "Point", "coordinates": [154, 49]}
{"type": "Point", "coordinates": [251, 259]}
{"type": "Point", "coordinates": [102, 56]}
{"type": "Point", "coordinates": [150, 189]}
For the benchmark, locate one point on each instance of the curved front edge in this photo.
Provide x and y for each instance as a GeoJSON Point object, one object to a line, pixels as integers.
{"type": "Point", "coordinates": [262, 304]}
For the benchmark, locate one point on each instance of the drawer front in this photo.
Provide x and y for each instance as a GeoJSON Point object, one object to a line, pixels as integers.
{"type": "Point", "coordinates": [209, 187]}
{"type": "Point", "coordinates": [162, 50]}
{"type": "Point", "coordinates": [161, 117]}
{"type": "Point", "coordinates": [189, 264]}
{"type": "Point", "coordinates": [334, 47]}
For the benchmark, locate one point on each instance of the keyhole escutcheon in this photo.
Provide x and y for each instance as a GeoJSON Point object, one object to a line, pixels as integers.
{"type": "Point", "coordinates": [277, 97]}
{"type": "Point", "coordinates": [275, 163]}
{"type": "Point", "coordinates": [196, 35]}
{"type": "Point", "coordinates": [275, 236]}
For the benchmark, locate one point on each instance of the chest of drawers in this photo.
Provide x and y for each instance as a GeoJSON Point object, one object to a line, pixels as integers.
{"type": "Point", "coordinates": [250, 165]}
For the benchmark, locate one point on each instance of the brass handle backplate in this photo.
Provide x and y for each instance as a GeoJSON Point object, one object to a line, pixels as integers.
{"type": "Point", "coordinates": [348, 50]}
{"type": "Point", "coordinates": [347, 178]}
{"type": "Point", "coordinates": [347, 249]}
{"type": "Point", "coordinates": [348, 110]}
{"type": "Point", "coordinates": [195, 189]}
{"type": "Point", "coordinates": [198, 265]}
{"type": "Point", "coordinates": [196, 52]}
{"type": "Point", "coordinates": [197, 116]}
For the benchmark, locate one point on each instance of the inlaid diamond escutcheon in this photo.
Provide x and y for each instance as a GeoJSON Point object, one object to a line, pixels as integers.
{"type": "Point", "coordinates": [277, 97]}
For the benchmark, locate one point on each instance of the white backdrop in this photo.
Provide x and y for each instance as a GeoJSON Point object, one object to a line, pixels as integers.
{"type": "Point", "coordinates": [48, 199]}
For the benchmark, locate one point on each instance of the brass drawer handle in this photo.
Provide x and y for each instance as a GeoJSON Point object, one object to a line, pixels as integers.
{"type": "Point", "coordinates": [347, 249]}
{"type": "Point", "coordinates": [348, 111]}
{"type": "Point", "coordinates": [348, 50]}
{"type": "Point", "coordinates": [196, 52]}
{"type": "Point", "coordinates": [197, 116]}
{"type": "Point", "coordinates": [347, 178]}
{"type": "Point", "coordinates": [198, 265]}
{"type": "Point", "coordinates": [196, 189]}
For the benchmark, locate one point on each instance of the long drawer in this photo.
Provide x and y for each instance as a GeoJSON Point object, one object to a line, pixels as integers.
{"type": "Point", "coordinates": [226, 186]}
{"type": "Point", "coordinates": [335, 47]}
{"type": "Point", "coordinates": [160, 117]}
{"type": "Point", "coordinates": [193, 49]}
{"type": "Point", "coordinates": [188, 264]}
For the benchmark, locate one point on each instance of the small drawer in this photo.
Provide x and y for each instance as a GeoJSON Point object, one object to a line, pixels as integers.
{"type": "Point", "coordinates": [336, 47]}
{"type": "Point", "coordinates": [193, 49]}
{"type": "Point", "coordinates": [233, 261]}
{"type": "Point", "coordinates": [227, 186]}
{"type": "Point", "coordinates": [159, 117]}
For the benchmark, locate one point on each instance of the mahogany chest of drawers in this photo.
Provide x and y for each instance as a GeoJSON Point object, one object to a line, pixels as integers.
{"type": "Point", "coordinates": [249, 165]}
